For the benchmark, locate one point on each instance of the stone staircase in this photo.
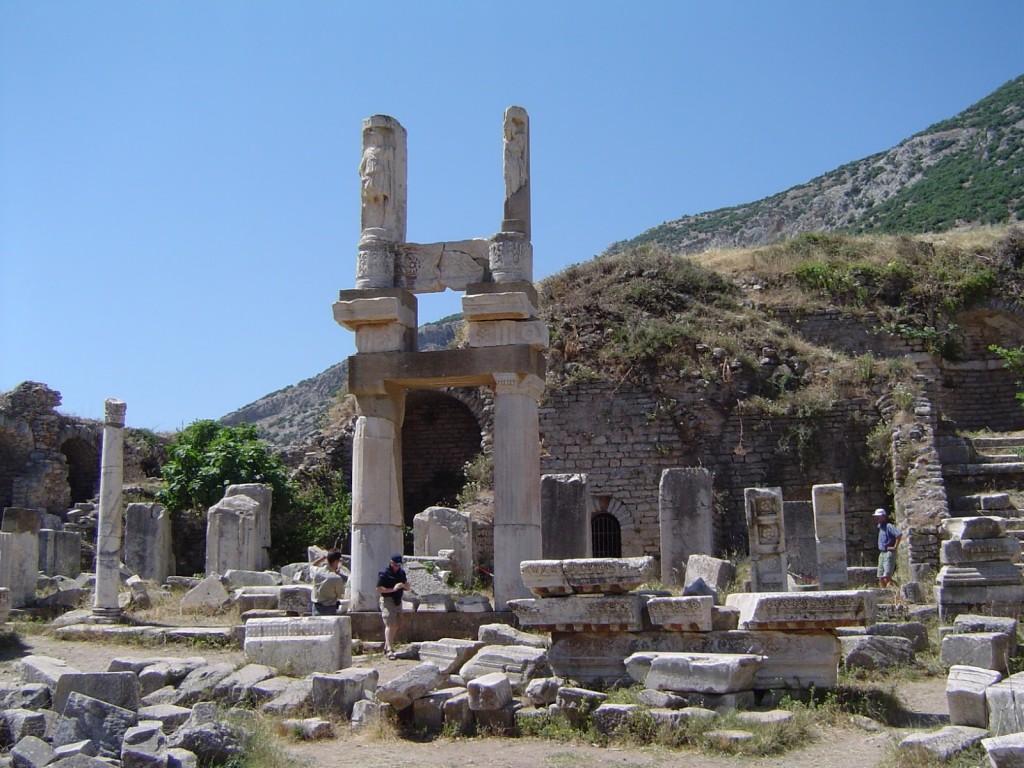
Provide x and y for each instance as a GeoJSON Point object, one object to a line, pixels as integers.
{"type": "Point", "coordinates": [985, 476]}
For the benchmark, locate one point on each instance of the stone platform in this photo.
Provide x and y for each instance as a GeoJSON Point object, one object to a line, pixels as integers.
{"type": "Point", "coordinates": [417, 626]}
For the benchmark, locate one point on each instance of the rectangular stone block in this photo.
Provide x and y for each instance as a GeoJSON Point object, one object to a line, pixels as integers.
{"type": "Point", "coordinates": [545, 578]}
{"type": "Point", "coordinates": [829, 502]}
{"type": "Point", "coordinates": [382, 309]}
{"type": "Point", "coordinates": [296, 598]}
{"type": "Point", "coordinates": [514, 305]}
{"type": "Point", "coordinates": [967, 623]}
{"type": "Point", "coordinates": [60, 553]}
{"type": "Point", "coordinates": [1005, 751]}
{"type": "Point", "coordinates": [565, 516]}
{"type": "Point", "coordinates": [489, 692]}
{"type": "Point", "coordinates": [449, 654]}
{"type": "Point", "coordinates": [121, 689]}
{"type": "Point", "coordinates": [581, 613]}
{"type": "Point", "coordinates": [988, 650]}
{"type": "Point", "coordinates": [962, 551]}
{"type": "Point", "coordinates": [681, 614]}
{"type": "Point", "coordinates": [685, 519]}
{"type": "Point", "coordinates": [521, 663]}
{"type": "Point", "coordinates": [979, 575]}
{"type": "Point", "coordinates": [1005, 701]}
{"type": "Point", "coordinates": [608, 575]}
{"type": "Point", "coordinates": [716, 573]}
{"type": "Point", "coordinates": [981, 527]}
{"type": "Point", "coordinates": [965, 694]}
{"type": "Point", "coordinates": [804, 610]}
{"type": "Point", "coordinates": [302, 645]}
{"type": "Point", "coordinates": [385, 337]}
{"type": "Point", "coordinates": [694, 672]}
{"type": "Point", "coordinates": [147, 548]}
{"type": "Point", "coordinates": [336, 694]}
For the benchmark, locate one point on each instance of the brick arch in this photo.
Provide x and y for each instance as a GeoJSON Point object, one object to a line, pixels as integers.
{"type": "Point", "coordinates": [440, 434]}
{"type": "Point", "coordinates": [606, 504]}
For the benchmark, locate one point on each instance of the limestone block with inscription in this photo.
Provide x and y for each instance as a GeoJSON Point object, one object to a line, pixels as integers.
{"type": "Point", "coordinates": [695, 672]}
{"type": "Point", "coordinates": [681, 614]}
{"type": "Point", "coordinates": [498, 333]}
{"type": "Point", "coordinates": [608, 575]}
{"type": "Point", "coordinates": [303, 645]}
{"type": "Point", "coordinates": [766, 534]}
{"type": "Point", "coordinates": [964, 551]}
{"type": "Point", "coordinates": [581, 613]}
{"type": "Point", "coordinates": [513, 305]}
{"type": "Point", "coordinates": [803, 610]}
{"type": "Point", "coordinates": [545, 578]}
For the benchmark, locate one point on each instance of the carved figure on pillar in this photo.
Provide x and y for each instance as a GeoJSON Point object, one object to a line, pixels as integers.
{"type": "Point", "coordinates": [517, 171]}
{"type": "Point", "coordinates": [383, 180]}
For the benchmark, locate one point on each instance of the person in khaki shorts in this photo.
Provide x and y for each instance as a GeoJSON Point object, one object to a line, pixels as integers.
{"type": "Point", "coordinates": [391, 584]}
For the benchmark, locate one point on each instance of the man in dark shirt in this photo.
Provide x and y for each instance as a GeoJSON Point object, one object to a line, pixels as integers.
{"type": "Point", "coordinates": [391, 584]}
{"type": "Point", "coordinates": [889, 538]}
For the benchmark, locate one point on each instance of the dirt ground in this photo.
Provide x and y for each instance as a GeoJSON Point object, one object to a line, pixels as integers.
{"type": "Point", "coordinates": [847, 746]}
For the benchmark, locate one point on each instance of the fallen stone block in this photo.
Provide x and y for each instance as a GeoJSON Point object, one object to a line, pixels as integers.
{"type": "Point", "coordinates": [716, 573]}
{"type": "Point", "coordinates": [914, 631]}
{"type": "Point", "coordinates": [87, 718]}
{"type": "Point", "coordinates": [581, 613]}
{"type": "Point", "coordinates": [520, 663]}
{"type": "Point", "coordinates": [873, 652]}
{"type": "Point", "coordinates": [543, 690]}
{"type": "Point", "coordinates": [497, 722]}
{"type": "Point", "coordinates": [209, 595]}
{"type": "Point", "coordinates": [724, 618]}
{"type": "Point", "coordinates": [491, 691]}
{"type": "Point", "coordinates": [803, 610]}
{"type": "Point", "coordinates": [577, 704]}
{"type": "Point", "coordinates": [309, 728]}
{"type": "Point", "coordinates": [200, 683]}
{"type": "Point", "coordinates": [235, 688]}
{"type": "Point", "coordinates": [270, 688]}
{"type": "Point", "coordinates": [27, 696]}
{"type": "Point", "coordinates": [118, 688]}
{"type": "Point", "coordinates": [968, 623]}
{"type": "Point", "coordinates": [16, 724]}
{"type": "Point", "coordinates": [458, 715]}
{"type": "Point", "coordinates": [296, 598]}
{"type": "Point", "coordinates": [428, 711]}
{"type": "Point", "coordinates": [238, 578]}
{"type": "Point", "coordinates": [681, 614]}
{"type": "Point", "coordinates": [296, 696]}
{"type": "Point", "coordinates": [714, 673]}
{"type": "Point", "coordinates": [43, 669]}
{"type": "Point", "coordinates": [503, 634]}
{"type": "Point", "coordinates": [611, 718]}
{"type": "Point", "coordinates": [942, 744]}
{"type": "Point", "coordinates": [31, 752]}
{"type": "Point", "coordinates": [608, 575]}
{"type": "Point", "coordinates": [177, 757]}
{"type": "Point", "coordinates": [214, 743]}
{"type": "Point", "coordinates": [1005, 702]}
{"type": "Point", "coordinates": [171, 716]}
{"type": "Point", "coordinates": [302, 645]}
{"type": "Point", "coordinates": [85, 748]}
{"type": "Point", "coordinates": [661, 699]}
{"type": "Point", "coordinates": [411, 685]}
{"type": "Point", "coordinates": [1005, 751]}
{"type": "Point", "coordinates": [988, 650]}
{"type": "Point", "coordinates": [965, 694]}
{"type": "Point", "coordinates": [366, 712]}
{"type": "Point", "coordinates": [144, 746]}
{"type": "Point", "coordinates": [449, 654]}
{"type": "Point", "coordinates": [337, 693]}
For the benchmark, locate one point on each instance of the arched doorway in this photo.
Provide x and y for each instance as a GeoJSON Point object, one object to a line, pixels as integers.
{"type": "Point", "coordinates": [605, 535]}
{"type": "Point", "coordinates": [439, 435]}
{"type": "Point", "coordinates": [83, 468]}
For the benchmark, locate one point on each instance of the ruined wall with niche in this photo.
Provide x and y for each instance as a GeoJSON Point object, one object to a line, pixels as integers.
{"type": "Point", "coordinates": [622, 437]}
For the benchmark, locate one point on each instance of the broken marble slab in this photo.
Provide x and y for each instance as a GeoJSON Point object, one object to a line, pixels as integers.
{"type": "Point", "coordinates": [803, 610]}
{"type": "Point", "coordinates": [715, 673]}
{"type": "Point", "coordinates": [681, 614]}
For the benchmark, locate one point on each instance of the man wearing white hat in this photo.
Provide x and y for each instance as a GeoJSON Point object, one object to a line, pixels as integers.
{"type": "Point", "coordinates": [889, 538]}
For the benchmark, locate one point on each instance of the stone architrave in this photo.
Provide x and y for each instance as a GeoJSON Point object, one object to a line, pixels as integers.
{"type": "Point", "coordinates": [376, 500]}
{"type": "Point", "coordinates": [262, 494]}
{"type": "Point", "coordinates": [544, 578]}
{"type": "Point", "coordinates": [608, 575]}
{"type": "Point", "coordinates": [686, 516]}
{"type": "Point", "coordinates": [109, 526]}
{"type": "Point", "coordinates": [803, 610]}
{"type": "Point", "coordinates": [565, 519]}
{"type": "Point", "coordinates": [830, 534]}
{"type": "Point", "coordinates": [60, 552]}
{"type": "Point", "coordinates": [517, 517]}
{"type": "Point", "coordinates": [232, 535]}
{"type": "Point", "coordinates": [19, 549]}
{"type": "Point", "coordinates": [148, 551]}
{"type": "Point", "coordinates": [300, 645]}
{"type": "Point", "coordinates": [440, 528]}
{"type": "Point", "coordinates": [581, 613]}
{"type": "Point", "coordinates": [681, 614]}
{"type": "Point", "coordinates": [766, 534]}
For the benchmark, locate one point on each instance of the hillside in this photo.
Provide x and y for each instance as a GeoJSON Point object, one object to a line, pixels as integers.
{"type": "Point", "coordinates": [290, 416]}
{"type": "Point", "coordinates": [968, 169]}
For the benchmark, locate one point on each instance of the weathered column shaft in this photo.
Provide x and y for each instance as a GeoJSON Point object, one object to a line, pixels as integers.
{"type": "Point", "coordinates": [108, 529]}
{"type": "Point", "coordinates": [376, 501]}
{"type": "Point", "coordinates": [517, 520]}
{"type": "Point", "coordinates": [830, 534]}
{"type": "Point", "coordinates": [686, 519]}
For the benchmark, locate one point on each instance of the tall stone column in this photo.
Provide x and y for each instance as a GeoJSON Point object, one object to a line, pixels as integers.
{"type": "Point", "coordinates": [376, 494]}
{"type": "Point", "coordinates": [686, 516]}
{"type": "Point", "coordinates": [108, 530]}
{"type": "Point", "coordinates": [517, 520]}
{"type": "Point", "coordinates": [383, 176]}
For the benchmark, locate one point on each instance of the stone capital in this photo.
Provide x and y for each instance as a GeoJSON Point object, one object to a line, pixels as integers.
{"type": "Point", "coordinates": [518, 384]}
{"type": "Point", "coordinates": [113, 412]}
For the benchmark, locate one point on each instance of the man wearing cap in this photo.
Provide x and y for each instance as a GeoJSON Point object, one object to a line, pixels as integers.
{"type": "Point", "coordinates": [889, 538]}
{"type": "Point", "coordinates": [391, 584]}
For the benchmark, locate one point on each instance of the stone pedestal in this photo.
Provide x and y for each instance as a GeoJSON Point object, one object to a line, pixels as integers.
{"type": "Point", "coordinates": [376, 502]}
{"type": "Point", "coordinates": [685, 512]}
{"type": "Point", "coordinates": [565, 516]}
{"type": "Point", "coordinates": [977, 575]}
{"type": "Point", "coordinates": [829, 503]}
{"type": "Point", "coordinates": [517, 518]}
{"type": "Point", "coordinates": [108, 530]}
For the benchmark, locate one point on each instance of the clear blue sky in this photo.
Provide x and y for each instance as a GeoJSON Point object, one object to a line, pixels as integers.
{"type": "Point", "coordinates": [179, 202]}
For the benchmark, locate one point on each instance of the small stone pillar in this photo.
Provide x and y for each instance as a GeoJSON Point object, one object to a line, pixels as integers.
{"type": "Point", "coordinates": [511, 253]}
{"type": "Point", "coordinates": [830, 534]}
{"type": "Point", "coordinates": [383, 174]}
{"type": "Point", "coordinates": [19, 554]}
{"type": "Point", "coordinates": [376, 494]}
{"type": "Point", "coordinates": [60, 552]}
{"type": "Point", "coordinates": [108, 528]}
{"type": "Point", "coordinates": [263, 495]}
{"type": "Point", "coordinates": [766, 532]}
{"type": "Point", "coordinates": [565, 517]}
{"type": "Point", "coordinates": [517, 519]}
{"type": "Point", "coordinates": [147, 541]}
{"type": "Point", "coordinates": [686, 515]}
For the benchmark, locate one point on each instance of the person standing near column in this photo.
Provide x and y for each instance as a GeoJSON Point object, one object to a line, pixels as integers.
{"type": "Point", "coordinates": [328, 584]}
{"type": "Point", "coordinates": [889, 538]}
{"type": "Point", "coordinates": [391, 584]}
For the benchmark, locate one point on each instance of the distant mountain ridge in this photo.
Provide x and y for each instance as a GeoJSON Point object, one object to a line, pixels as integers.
{"type": "Point", "coordinates": [968, 169]}
{"type": "Point", "coordinates": [292, 415]}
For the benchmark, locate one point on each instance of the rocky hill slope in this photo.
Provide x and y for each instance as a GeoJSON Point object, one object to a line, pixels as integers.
{"type": "Point", "coordinates": [968, 169]}
{"type": "Point", "coordinates": [292, 415]}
